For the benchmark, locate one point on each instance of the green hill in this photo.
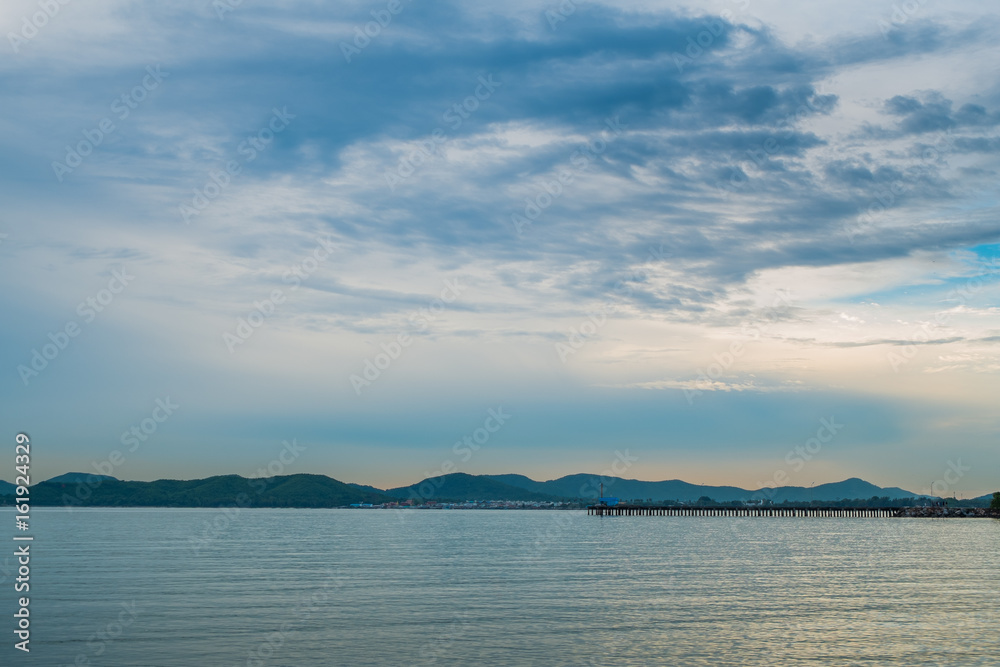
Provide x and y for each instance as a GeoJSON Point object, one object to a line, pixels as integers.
{"type": "Point", "coordinates": [225, 490]}
{"type": "Point", "coordinates": [303, 490]}
{"type": "Point", "coordinates": [460, 486]}
{"type": "Point", "coordinates": [77, 477]}
{"type": "Point", "coordinates": [586, 486]}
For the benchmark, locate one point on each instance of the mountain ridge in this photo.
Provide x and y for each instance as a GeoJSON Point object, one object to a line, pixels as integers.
{"type": "Point", "coordinates": [583, 485]}
{"type": "Point", "coordinates": [299, 490]}
{"type": "Point", "coordinates": [314, 490]}
{"type": "Point", "coordinates": [459, 486]}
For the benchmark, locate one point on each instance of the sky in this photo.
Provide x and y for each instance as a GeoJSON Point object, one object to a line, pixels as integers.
{"type": "Point", "coordinates": [736, 242]}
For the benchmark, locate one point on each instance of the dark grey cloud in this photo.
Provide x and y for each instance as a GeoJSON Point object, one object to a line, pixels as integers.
{"type": "Point", "coordinates": [930, 111]}
{"type": "Point", "coordinates": [716, 160]}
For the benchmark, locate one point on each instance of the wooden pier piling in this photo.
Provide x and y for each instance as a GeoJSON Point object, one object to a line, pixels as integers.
{"type": "Point", "coordinates": [763, 511]}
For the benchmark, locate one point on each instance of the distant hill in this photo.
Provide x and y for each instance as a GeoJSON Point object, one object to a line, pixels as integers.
{"type": "Point", "coordinates": [225, 490]}
{"type": "Point", "coordinates": [8, 489]}
{"type": "Point", "coordinates": [586, 486]}
{"type": "Point", "coordinates": [522, 482]}
{"type": "Point", "coordinates": [459, 486]}
{"type": "Point", "coordinates": [982, 501]}
{"type": "Point", "coordinates": [78, 477]}
{"type": "Point", "coordinates": [304, 490]}
{"type": "Point", "coordinates": [365, 487]}
{"type": "Point", "coordinates": [853, 488]}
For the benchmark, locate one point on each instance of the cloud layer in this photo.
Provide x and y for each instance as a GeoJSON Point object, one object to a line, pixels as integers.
{"type": "Point", "coordinates": [363, 225]}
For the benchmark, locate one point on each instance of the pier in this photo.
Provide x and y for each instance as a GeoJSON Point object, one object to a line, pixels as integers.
{"type": "Point", "coordinates": [765, 511]}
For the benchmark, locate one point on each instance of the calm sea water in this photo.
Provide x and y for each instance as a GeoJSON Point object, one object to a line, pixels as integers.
{"type": "Point", "coordinates": [376, 587]}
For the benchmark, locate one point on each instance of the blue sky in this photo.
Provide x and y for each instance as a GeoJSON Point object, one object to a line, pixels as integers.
{"type": "Point", "coordinates": [687, 231]}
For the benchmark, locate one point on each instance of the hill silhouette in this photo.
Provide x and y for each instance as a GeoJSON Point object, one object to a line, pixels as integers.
{"type": "Point", "coordinates": [459, 486]}
{"type": "Point", "coordinates": [311, 490]}
{"type": "Point", "coordinates": [587, 486]}
{"type": "Point", "coordinates": [302, 490]}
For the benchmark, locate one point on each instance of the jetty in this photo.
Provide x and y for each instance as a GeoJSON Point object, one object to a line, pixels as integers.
{"type": "Point", "coordinates": [772, 511]}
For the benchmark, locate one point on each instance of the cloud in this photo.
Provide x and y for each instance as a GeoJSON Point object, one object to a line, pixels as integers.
{"type": "Point", "coordinates": [707, 384]}
{"type": "Point", "coordinates": [933, 113]}
{"type": "Point", "coordinates": [756, 157]}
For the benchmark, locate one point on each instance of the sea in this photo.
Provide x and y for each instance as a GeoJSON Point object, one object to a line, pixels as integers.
{"type": "Point", "coordinates": [298, 587]}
